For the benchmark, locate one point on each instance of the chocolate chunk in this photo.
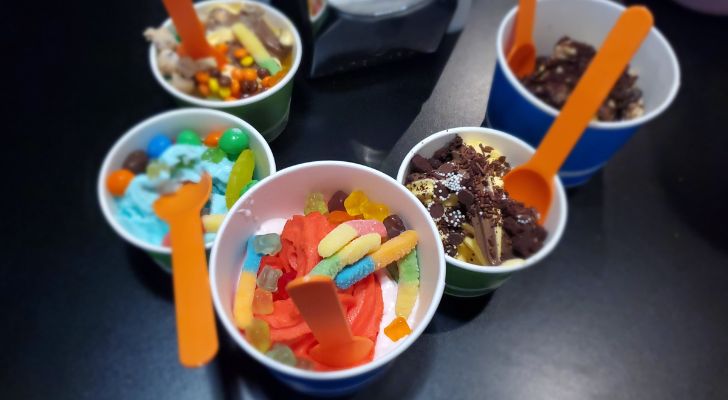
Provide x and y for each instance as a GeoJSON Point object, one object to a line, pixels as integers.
{"type": "Point", "coordinates": [466, 197]}
{"type": "Point", "coordinates": [447, 168]}
{"type": "Point", "coordinates": [394, 225]}
{"type": "Point", "coordinates": [420, 164]}
{"type": "Point", "coordinates": [441, 190]}
{"type": "Point", "coordinates": [336, 202]}
{"type": "Point", "coordinates": [136, 161]}
{"type": "Point", "coordinates": [435, 163]}
{"type": "Point", "coordinates": [437, 210]}
{"type": "Point", "coordinates": [455, 238]}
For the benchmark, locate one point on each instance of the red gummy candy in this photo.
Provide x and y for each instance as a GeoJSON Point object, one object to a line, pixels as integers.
{"type": "Point", "coordinates": [166, 242]}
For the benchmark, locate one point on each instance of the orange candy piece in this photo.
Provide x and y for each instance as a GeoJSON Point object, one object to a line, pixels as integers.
{"type": "Point", "coordinates": [118, 181]}
{"type": "Point", "coordinates": [202, 76]}
{"type": "Point", "coordinates": [240, 53]}
{"type": "Point", "coordinates": [203, 89]}
{"type": "Point", "coordinates": [250, 74]}
{"type": "Point", "coordinates": [213, 138]}
{"type": "Point", "coordinates": [397, 329]}
{"type": "Point", "coordinates": [235, 88]}
{"type": "Point", "coordinates": [338, 217]}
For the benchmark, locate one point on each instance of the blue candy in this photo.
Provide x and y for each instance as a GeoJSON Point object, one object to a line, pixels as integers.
{"type": "Point", "coordinates": [158, 145]}
{"type": "Point", "coordinates": [252, 259]}
{"type": "Point", "coordinates": [354, 273]}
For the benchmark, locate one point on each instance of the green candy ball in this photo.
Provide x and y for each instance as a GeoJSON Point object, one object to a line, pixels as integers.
{"type": "Point", "coordinates": [248, 186]}
{"type": "Point", "coordinates": [189, 137]}
{"type": "Point", "coordinates": [234, 141]}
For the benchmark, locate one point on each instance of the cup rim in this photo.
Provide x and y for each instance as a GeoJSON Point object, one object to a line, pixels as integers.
{"type": "Point", "coordinates": [327, 375]}
{"type": "Point", "coordinates": [142, 127]}
{"type": "Point", "coordinates": [553, 112]}
{"type": "Point", "coordinates": [560, 197]}
{"type": "Point", "coordinates": [199, 102]}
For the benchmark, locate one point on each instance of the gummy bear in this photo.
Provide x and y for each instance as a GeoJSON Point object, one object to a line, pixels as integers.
{"type": "Point", "coordinates": [397, 329]}
{"type": "Point", "coordinates": [269, 243]}
{"type": "Point", "coordinates": [315, 202]}
{"type": "Point", "coordinates": [355, 201]}
{"type": "Point", "coordinates": [262, 302]}
{"type": "Point", "coordinates": [268, 278]}
{"type": "Point", "coordinates": [304, 364]}
{"type": "Point", "coordinates": [240, 175]}
{"type": "Point", "coordinates": [258, 334]}
{"type": "Point", "coordinates": [376, 211]}
{"type": "Point", "coordinates": [282, 354]}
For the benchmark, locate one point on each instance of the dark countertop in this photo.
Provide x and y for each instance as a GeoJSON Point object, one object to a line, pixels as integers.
{"type": "Point", "coordinates": [633, 304]}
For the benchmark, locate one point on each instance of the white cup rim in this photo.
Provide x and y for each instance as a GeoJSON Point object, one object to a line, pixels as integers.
{"type": "Point", "coordinates": [219, 104]}
{"type": "Point", "coordinates": [560, 197]}
{"type": "Point", "coordinates": [602, 125]}
{"type": "Point", "coordinates": [142, 127]}
{"type": "Point", "coordinates": [404, 344]}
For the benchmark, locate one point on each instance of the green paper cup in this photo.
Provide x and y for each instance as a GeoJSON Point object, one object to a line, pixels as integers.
{"type": "Point", "coordinates": [171, 123]}
{"type": "Point", "coordinates": [267, 111]}
{"type": "Point", "coordinates": [463, 279]}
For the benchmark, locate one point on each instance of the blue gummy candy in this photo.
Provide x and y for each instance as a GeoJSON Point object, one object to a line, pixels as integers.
{"type": "Point", "coordinates": [252, 259]}
{"type": "Point", "coordinates": [354, 273]}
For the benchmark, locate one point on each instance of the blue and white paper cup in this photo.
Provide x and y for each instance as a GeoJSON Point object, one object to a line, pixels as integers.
{"type": "Point", "coordinates": [513, 109]}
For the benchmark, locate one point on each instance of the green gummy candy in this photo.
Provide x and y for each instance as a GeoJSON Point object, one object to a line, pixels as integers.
{"type": "Point", "coordinates": [327, 267]}
{"type": "Point", "coordinates": [188, 136]}
{"type": "Point", "coordinates": [234, 141]}
{"type": "Point", "coordinates": [271, 65]}
{"type": "Point", "coordinates": [248, 186]}
{"type": "Point", "coordinates": [409, 270]}
{"type": "Point", "coordinates": [214, 154]}
{"type": "Point", "coordinates": [282, 354]}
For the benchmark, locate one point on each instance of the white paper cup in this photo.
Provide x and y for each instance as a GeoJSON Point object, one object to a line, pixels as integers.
{"type": "Point", "coordinates": [469, 280]}
{"type": "Point", "coordinates": [267, 111]}
{"type": "Point", "coordinates": [170, 124]}
{"type": "Point", "coordinates": [282, 196]}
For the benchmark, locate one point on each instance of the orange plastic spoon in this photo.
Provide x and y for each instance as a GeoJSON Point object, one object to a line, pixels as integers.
{"type": "Point", "coordinates": [316, 299]}
{"type": "Point", "coordinates": [196, 331]}
{"type": "Point", "coordinates": [532, 182]}
{"type": "Point", "coordinates": [190, 29]}
{"type": "Point", "coordinates": [522, 56]}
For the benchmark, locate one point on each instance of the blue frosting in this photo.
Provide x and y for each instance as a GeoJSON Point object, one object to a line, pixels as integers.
{"type": "Point", "coordinates": [134, 209]}
{"type": "Point", "coordinates": [354, 273]}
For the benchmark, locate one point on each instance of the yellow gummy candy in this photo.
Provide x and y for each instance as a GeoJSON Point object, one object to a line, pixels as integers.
{"type": "Point", "coordinates": [251, 42]}
{"type": "Point", "coordinates": [395, 248]}
{"type": "Point", "coordinates": [354, 202]}
{"type": "Point", "coordinates": [358, 248]}
{"type": "Point", "coordinates": [336, 239]}
{"type": "Point", "coordinates": [258, 334]}
{"type": "Point", "coordinates": [240, 175]}
{"type": "Point", "coordinates": [243, 303]}
{"type": "Point", "coordinates": [406, 296]}
{"type": "Point", "coordinates": [376, 211]}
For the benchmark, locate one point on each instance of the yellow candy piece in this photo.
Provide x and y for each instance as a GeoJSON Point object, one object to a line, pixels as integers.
{"type": "Point", "coordinates": [376, 211]}
{"type": "Point", "coordinates": [397, 329]}
{"type": "Point", "coordinates": [336, 239]}
{"type": "Point", "coordinates": [394, 249]}
{"type": "Point", "coordinates": [262, 302]}
{"type": "Point", "coordinates": [358, 248]}
{"type": "Point", "coordinates": [473, 246]}
{"type": "Point", "coordinates": [247, 61]}
{"type": "Point", "coordinates": [243, 303]}
{"type": "Point", "coordinates": [211, 223]}
{"type": "Point", "coordinates": [258, 334]}
{"type": "Point", "coordinates": [240, 175]}
{"type": "Point", "coordinates": [406, 296]}
{"type": "Point", "coordinates": [224, 92]}
{"type": "Point", "coordinates": [354, 202]}
{"type": "Point", "coordinates": [214, 85]}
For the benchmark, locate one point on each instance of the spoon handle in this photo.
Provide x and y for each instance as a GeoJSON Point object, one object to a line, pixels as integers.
{"type": "Point", "coordinates": [621, 44]}
{"type": "Point", "coordinates": [525, 17]}
{"type": "Point", "coordinates": [189, 27]}
{"type": "Point", "coordinates": [316, 299]}
{"type": "Point", "coordinates": [196, 331]}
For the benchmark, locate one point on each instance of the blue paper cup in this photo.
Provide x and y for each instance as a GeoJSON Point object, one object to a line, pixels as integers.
{"type": "Point", "coordinates": [283, 195]}
{"type": "Point", "coordinates": [513, 109]}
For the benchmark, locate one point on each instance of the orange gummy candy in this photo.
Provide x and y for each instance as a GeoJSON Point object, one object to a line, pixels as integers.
{"type": "Point", "coordinates": [397, 329]}
{"type": "Point", "coordinates": [118, 181]}
{"type": "Point", "coordinates": [213, 138]}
